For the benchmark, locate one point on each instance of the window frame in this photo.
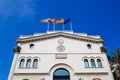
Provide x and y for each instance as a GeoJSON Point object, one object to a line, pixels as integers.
{"type": "Point", "coordinates": [86, 63]}
{"type": "Point", "coordinates": [22, 63]}
{"type": "Point", "coordinates": [31, 46]}
{"type": "Point", "coordinates": [34, 65]}
{"type": "Point", "coordinates": [28, 63]}
{"type": "Point", "coordinates": [99, 63]}
{"type": "Point", "coordinates": [93, 65]}
{"type": "Point", "coordinates": [89, 46]}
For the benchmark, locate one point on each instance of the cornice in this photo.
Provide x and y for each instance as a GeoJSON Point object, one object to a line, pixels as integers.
{"type": "Point", "coordinates": [32, 73]}
{"type": "Point", "coordinates": [76, 73]}
{"type": "Point", "coordinates": [60, 34]}
{"type": "Point", "coordinates": [103, 72]}
{"type": "Point", "coordinates": [60, 53]}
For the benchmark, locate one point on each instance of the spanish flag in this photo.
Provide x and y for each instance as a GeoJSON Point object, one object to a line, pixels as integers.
{"type": "Point", "coordinates": [59, 21]}
{"type": "Point", "coordinates": [47, 20]}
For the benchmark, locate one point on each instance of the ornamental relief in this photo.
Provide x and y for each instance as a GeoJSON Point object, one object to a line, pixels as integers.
{"type": "Point", "coordinates": [60, 47]}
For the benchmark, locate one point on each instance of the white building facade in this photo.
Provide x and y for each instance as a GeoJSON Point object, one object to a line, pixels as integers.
{"type": "Point", "coordinates": [60, 55]}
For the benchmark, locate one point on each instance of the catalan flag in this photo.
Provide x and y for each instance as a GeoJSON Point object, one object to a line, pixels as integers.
{"type": "Point", "coordinates": [47, 20]}
{"type": "Point", "coordinates": [59, 21]}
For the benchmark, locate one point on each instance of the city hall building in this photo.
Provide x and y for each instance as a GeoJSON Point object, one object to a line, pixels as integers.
{"type": "Point", "coordinates": [60, 55]}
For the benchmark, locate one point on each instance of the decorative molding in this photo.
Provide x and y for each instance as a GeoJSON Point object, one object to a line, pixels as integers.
{"type": "Point", "coordinates": [98, 57]}
{"type": "Point", "coordinates": [60, 48]}
{"type": "Point", "coordinates": [60, 41]}
{"type": "Point", "coordinates": [23, 57]}
{"type": "Point", "coordinates": [27, 67]}
{"type": "Point", "coordinates": [17, 49]}
{"type": "Point", "coordinates": [93, 67]}
{"type": "Point", "coordinates": [31, 73]}
{"type": "Point", "coordinates": [61, 56]}
{"type": "Point", "coordinates": [85, 57]}
{"type": "Point", "coordinates": [29, 57]}
{"type": "Point", "coordinates": [60, 34]}
{"type": "Point", "coordinates": [36, 57]}
{"type": "Point", "coordinates": [92, 57]}
{"type": "Point", "coordinates": [58, 53]}
{"type": "Point", "coordinates": [95, 73]}
{"type": "Point", "coordinates": [96, 79]}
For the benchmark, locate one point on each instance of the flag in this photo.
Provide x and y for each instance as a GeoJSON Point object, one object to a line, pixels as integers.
{"type": "Point", "coordinates": [47, 20]}
{"type": "Point", "coordinates": [59, 21]}
{"type": "Point", "coordinates": [66, 21]}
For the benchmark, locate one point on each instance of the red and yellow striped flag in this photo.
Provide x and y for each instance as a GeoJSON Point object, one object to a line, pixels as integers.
{"type": "Point", "coordinates": [59, 21]}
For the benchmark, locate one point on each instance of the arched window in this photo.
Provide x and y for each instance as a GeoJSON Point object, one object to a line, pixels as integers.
{"type": "Point", "coordinates": [25, 79]}
{"type": "Point", "coordinates": [96, 79]}
{"type": "Point", "coordinates": [86, 64]}
{"type": "Point", "coordinates": [35, 63]}
{"type": "Point", "coordinates": [61, 74]}
{"type": "Point", "coordinates": [28, 64]}
{"type": "Point", "coordinates": [93, 63]}
{"type": "Point", "coordinates": [31, 46]}
{"type": "Point", "coordinates": [89, 46]}
{"type": "Point", "coordinates": [99, 63]}
{"type": "Point", "coordinates": [22, 61]}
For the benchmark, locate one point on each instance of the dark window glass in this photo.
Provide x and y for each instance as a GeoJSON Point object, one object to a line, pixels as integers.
{"type": "Point", "coordinates": [22, 63]}
{"type": "Point", "coordinates": [31, 46]}
{"type": "Point", "coordinates": [28, 64]}
{"type": "Point", "coordinates": [86, 64]}
{"type": "Point", "coordinates": [99, 63]}
{"type": "Point", "coordinates": [89, 46]}
{"type": "Point", "coordinates": [35, 63]}
{"type": "Point", "coordinates": [93, 63]}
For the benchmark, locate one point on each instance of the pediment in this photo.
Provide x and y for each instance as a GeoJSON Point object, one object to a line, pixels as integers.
{"type": "Point", "coordinates": [59, 34]}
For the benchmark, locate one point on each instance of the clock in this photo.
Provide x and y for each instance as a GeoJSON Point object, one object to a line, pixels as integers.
{"type": "Point", "coordinates": [60, 41]}
{"type": "Point", "coordinates": [60, 48]}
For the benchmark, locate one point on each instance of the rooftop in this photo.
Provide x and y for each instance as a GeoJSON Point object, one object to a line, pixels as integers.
{"type": "Point", "coordinates": [51, 32]}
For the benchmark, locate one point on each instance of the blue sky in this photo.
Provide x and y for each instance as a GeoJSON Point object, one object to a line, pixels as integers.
{"type": "Point", "coordinates": [21, 17]}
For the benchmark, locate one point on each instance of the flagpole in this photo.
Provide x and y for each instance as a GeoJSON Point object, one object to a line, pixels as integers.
{"type": "Point", "coordinates": [63, 26]}
{"type": "Point", "coordinates": [54, 25]}
{"type": "Point", "coordinates": [71, 25]}
{"type": "Point", "coordinates": [48, 27]}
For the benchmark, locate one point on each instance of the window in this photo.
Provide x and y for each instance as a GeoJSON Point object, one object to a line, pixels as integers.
{"type": "Point", "coordinates": [35, 63]}
{"type": "Point", "coordinates": [22, 63]}
{"type": "Point", "coordinates": [25, 79]}
{"type": "Point", "coordinates": [61, 74]}
{"type": "Point", "coordinates": [80, 79]}
{"type": "Point", "coordinates": [31, 46]}
{"type": "Point", "coordinates": [96, 79]}
{"type": "Point", "coordinates": [99, 63]}
{"type": "Point", "coordinates": [93, 63]}
{"type": "Point", "coordinates": [89, 46]}
{"type": "Point", "coordinates": [86, 64]}
{"type": "Point", "coordinates": [28, 64]}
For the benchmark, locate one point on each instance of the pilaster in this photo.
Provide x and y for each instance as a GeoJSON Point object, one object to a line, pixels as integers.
{"type": "Point", "coordinates": [13, 66]}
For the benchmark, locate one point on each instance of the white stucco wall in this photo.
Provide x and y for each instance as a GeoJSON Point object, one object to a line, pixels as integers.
{"type": "Point", "coordinates": [47, 61]}
{"type": "Point", "coordinates": [72, 60]}
{"type": "Point", "coordinates": [71, 45]}
{"type": "Point", "coordinates": [73, 63]}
